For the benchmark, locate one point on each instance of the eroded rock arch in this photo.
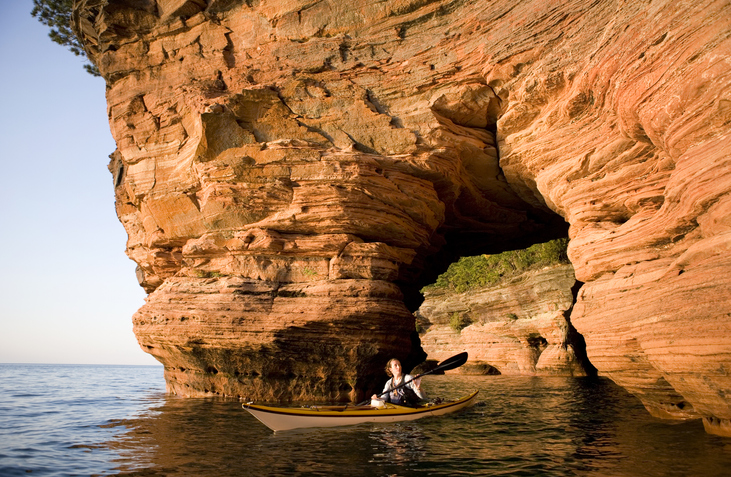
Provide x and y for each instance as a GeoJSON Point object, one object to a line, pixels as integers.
{"type": "Point", "coordinates": [288, 173]}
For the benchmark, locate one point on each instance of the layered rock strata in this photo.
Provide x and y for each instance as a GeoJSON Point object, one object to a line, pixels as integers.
{"type": "Point", "coordinates": [338, 152]}
{"type": "Point", "coordinates": [519, 327]}
{"type": "Point", "coordinates": [280, 198]}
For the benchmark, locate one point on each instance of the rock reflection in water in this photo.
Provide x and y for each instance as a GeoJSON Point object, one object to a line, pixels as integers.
{"type": "Point", "coordinates": [528, 426]}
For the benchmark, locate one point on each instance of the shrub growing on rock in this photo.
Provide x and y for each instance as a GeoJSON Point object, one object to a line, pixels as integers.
{"type": "Point", "coordinates": [486, 270]}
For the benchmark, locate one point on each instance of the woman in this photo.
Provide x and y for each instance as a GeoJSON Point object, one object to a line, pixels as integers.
{"type": "Point", "coordinates": [409, 394]}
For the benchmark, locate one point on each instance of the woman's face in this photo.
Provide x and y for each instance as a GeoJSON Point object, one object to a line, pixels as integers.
{"type": "Point", "coordinates": [396, 368]}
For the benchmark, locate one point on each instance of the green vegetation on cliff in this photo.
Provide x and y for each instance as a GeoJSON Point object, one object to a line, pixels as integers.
{"type": "Point", "coordinates": [486, 270]}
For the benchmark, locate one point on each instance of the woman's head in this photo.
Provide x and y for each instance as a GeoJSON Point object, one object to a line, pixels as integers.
{"type": "Point", "coordinates": [393, 367]}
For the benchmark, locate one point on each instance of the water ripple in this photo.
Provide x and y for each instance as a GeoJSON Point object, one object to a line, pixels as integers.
{"type": "Point", "coordinates": [106, 420]}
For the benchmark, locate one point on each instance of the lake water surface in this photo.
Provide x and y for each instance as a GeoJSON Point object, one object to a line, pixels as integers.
{"type": "Point", "coordinates": [117, 420]}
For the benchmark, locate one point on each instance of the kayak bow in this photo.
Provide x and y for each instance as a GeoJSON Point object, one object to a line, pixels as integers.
{"type": "Point", "coordinates": [284, 419]}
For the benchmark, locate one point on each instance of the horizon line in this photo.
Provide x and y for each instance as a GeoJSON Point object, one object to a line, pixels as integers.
{"type": "Point", "coordinates": [79, 364]}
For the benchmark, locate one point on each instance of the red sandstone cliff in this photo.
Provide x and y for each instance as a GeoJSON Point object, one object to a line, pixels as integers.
{"type": "Point", "coordinates": [289, 173]}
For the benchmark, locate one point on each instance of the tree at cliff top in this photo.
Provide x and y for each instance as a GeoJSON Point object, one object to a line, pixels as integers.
{"type": "Point", "coordinates": [485, 270]}
{"type": "Point", "coordinates": [56, 14]}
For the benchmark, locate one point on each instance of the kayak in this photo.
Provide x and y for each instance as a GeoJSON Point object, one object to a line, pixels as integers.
{"type": "Point", "coordinates": [284, 418]}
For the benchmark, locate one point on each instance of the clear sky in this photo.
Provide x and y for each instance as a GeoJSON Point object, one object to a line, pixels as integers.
{"type": "Point", "coordinates": [67, 289]}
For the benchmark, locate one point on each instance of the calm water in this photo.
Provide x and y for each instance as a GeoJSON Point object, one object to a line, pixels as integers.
{"type": "Point", "coordinates": [104, 420]}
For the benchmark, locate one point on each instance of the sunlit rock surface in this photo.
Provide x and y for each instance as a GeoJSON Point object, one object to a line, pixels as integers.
{"type": "Point", "coordinates": [518, 327]}
{"type": "Point", "coordinates": [320, 159]}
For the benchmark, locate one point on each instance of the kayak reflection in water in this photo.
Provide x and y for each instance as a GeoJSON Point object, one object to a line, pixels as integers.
{"type": "Point", "coordinates": [408, 395]}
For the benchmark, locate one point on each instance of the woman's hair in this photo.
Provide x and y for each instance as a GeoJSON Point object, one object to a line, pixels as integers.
{"type": "Point", "coordinates": [388, 366]}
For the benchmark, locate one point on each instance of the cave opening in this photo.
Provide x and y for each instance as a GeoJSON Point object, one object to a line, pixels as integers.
{"type": "Point", "coordinates": [542, 227]}
{"type": "Point", "coordinates": [506, 310]}
{"type": "Point", "coordinates": [488, 211]}
{"type": "Point", "coordinates": [497, 226]}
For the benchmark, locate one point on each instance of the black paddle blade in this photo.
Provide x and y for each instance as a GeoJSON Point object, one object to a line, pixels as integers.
{"type": "Point", "coordinates": [454, 362]}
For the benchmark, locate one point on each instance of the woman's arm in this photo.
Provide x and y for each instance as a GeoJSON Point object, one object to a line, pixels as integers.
{"type": "Point", "coordinates": [386, 394]}
{"type": "Point", "coordinates": [415, 386]}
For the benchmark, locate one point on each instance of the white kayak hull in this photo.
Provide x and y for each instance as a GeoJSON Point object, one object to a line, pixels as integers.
{"type": "Point", "coordinates": [284, 419]}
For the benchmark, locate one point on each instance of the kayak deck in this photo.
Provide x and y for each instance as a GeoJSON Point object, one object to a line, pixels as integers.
{"type": "Point", "coordinates": [283, 419]}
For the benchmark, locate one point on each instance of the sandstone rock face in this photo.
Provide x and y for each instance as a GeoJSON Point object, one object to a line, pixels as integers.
{"type": "Point", "coordinates": [291, 166]}
{"type": "Point", "coordinates": [283, 202]}
{"type": "Point", "coordinates": [519, 327]}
